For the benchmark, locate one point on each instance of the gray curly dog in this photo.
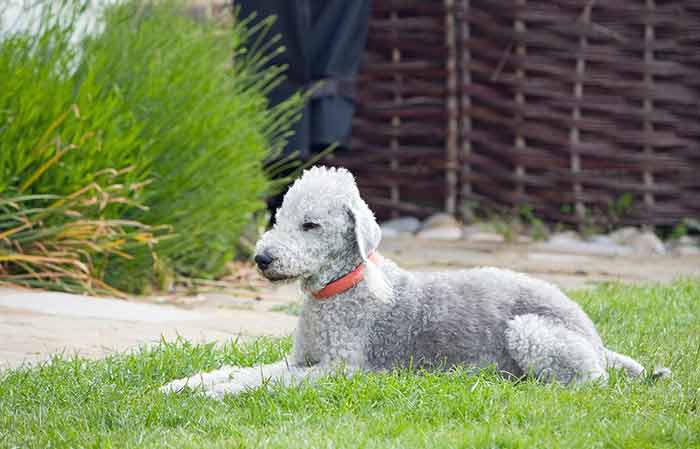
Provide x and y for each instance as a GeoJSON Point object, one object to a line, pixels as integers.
{"type": "Point", "coordinates": [362, 312]}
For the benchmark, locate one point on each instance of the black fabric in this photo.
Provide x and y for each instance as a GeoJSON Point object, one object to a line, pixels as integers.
{"type": "Point", "coordinates": [324, 40]}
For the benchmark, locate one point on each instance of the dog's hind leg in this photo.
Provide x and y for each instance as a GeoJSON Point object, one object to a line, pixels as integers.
{"type": "Point", "coordinates": [551, 352]}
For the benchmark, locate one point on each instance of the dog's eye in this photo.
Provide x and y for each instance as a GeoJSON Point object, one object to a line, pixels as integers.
{"type": "Point", "coordinates": [309, 225]}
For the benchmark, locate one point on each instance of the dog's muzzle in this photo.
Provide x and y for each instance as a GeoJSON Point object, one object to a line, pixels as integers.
{"type": "Point", "coordinates": [264, 260]}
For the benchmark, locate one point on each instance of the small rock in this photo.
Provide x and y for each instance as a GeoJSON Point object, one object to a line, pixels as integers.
{"type": "Point", "coordinates": [441, 220]}
{"type": "Point", "coordinates": [389, 232]}
{"type": "Point", "coordinates": [686, 250]}
{"type": "Point", "coordinates": [441, 227]}
{"type": "Point", "coordinates": [692, 223]}
{"type": "Point", "coordinates": [602, 239]}
{"type": "Point", "coordinates": [647, 243]}
{"type": "Point", "coordinates": [570, 242]}
{"type": "Point", "coordinates": [474, 229]}
{"type": "Point", "coordinates": [402, 224]}
{"type": "Point", "coordinates": [486, 237]}
{"type": "Point", "coordinates": [625, 235]}
{"type": "Point", "coordinates": [524, 239]}
{"type": "Point", "coordinates": [565, 236]}
{"type": "Point", "coordinates": [688, 240]}
{"type": "Point", "coordinates": [686, 246]}
{"type": "Point", "coordinates": [441, 233]}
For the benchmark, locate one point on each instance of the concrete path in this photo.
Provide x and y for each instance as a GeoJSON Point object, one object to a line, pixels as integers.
{"type": "Point", "coordinates": [34, 325]}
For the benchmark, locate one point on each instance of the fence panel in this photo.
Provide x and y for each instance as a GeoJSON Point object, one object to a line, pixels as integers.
{"type": "Point", "coordinates": [577, 108]}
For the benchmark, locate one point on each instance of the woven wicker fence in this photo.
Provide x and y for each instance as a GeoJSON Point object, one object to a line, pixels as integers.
{"type": "Point", "coordinates": [399, 131]}
{"type": "Point", "coordinates": [579, 109]}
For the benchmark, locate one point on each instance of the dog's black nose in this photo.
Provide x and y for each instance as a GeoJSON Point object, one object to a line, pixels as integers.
{"type": "Point", "coordinates": [263, 260]}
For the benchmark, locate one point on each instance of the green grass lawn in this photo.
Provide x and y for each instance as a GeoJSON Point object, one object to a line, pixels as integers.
{"type": "Point", "coordinates": [115, 403]}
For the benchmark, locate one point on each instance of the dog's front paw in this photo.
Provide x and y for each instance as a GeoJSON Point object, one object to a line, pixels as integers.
{"type": "Point", "coordinates": [178, 385]}
{"type": "Point", "coordinates": [206, 380]}
{"type": "Point", "coordinates": [219, 391]}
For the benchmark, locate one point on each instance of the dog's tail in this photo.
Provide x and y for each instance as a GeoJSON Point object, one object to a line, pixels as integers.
{"type": "Point", "coordinates": [632, 368]}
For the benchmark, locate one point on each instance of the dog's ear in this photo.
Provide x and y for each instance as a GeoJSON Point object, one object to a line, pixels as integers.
{"type": "Point", "coordinates": [367, 237]}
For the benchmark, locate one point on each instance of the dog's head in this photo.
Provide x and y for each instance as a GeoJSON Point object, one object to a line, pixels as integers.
{"type": "Point", "coordinates": [323, 230]}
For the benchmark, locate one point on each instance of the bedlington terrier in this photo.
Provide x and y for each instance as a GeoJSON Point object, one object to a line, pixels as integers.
{"type": "Point", "coordinates": [362, 312]}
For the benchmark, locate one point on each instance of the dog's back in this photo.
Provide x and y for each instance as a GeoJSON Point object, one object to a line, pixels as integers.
{"type": "Point", "coordinates": [447, 318]}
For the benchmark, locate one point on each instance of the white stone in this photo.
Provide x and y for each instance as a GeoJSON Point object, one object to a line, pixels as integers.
{"type": "Point", "coordinates": [565, 236]}
{"type": "Point", "coordinates": [402, 224]}
{"type": "Point", "coordinates": [602, 239]}
{"type": "Point", "coordinates": [686, 246]}
{"type": "Point", "coordinates": [686, 250]}
{"type": "Point", "coordinates": [389, 232]}
{"type": "Point", "coordinates": [570, 243]}
{"type": "Point", "coordinates": [688, 240]}
{"type": "Point", "coordinates": [562, 260]}
{"type": "Point", "coordinates": [625, 235]}
{"type": "Point", "coordinates": [473, 229]}
{"type": "Point", "coordinates": [525, 239]}
{"type": "Point", "coordinates": [441, 233]}
{"type": "Point", "coordinates": [441, 220]}
{"type": "Point", "coordinates": [647, 243]}
{"type": "Point", "coordinates": [486, 237]}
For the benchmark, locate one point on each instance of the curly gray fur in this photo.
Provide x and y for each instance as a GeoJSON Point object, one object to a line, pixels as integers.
{"type": "Point", "coordinates": [474, 318]}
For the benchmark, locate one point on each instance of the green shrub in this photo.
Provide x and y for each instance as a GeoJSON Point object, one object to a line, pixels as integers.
{"type": "Point", "coordinates": [181, 103]}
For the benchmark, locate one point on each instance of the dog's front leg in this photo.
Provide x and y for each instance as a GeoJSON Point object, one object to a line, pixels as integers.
{"type": "Point", "coordinates": [280, 373]}
{"type": "Point", "coordinates": [205, 380]}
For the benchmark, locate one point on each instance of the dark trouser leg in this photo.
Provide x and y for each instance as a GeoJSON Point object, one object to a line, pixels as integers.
{"type": "Point", "coordinates": [339, 38]}
{"type": "Point", "coordinates": [323, 40]}
{"type": "Point", "coordinates": [292, 25]}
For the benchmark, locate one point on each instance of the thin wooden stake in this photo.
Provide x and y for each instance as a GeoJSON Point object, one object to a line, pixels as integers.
{"type": "Point", "coordinates": [465, 121]}
{"type": "Point", "coordinates": [451, 142]}
{"type": "Point", "coordinates": [521, 52]}
{"type": "Point", "coordinates": [649, 37]}
{"type": "Point", "coordinates": [395, 120]}
{"type": "Point", "coordinates": [574, 133]}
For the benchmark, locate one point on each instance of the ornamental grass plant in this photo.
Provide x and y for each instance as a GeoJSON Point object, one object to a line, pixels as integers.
{"type": "Point", "coordinates": [177, 107]}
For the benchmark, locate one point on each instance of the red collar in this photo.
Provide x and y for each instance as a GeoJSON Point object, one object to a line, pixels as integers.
{"type": "Point", "coordinates": [346, 282]}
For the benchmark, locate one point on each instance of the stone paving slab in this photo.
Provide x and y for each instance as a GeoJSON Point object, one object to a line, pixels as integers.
{"type": "Point", "coordinates": [76, 306]}
{"type": "Point", "coordinates": [35, 325]}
